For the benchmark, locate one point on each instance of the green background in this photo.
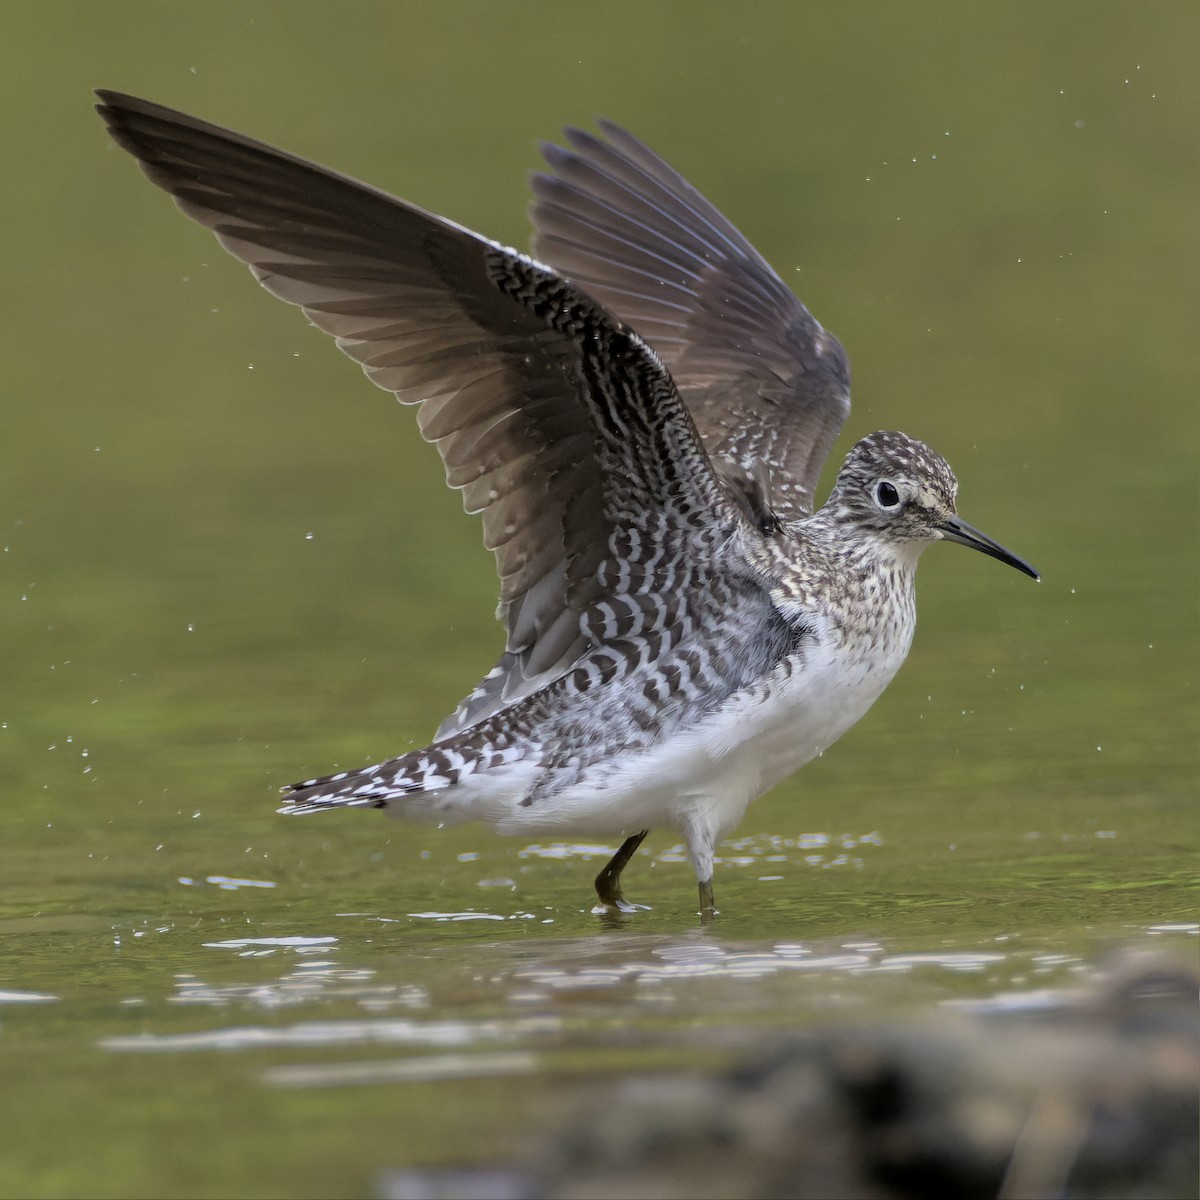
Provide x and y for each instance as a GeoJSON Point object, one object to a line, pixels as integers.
{"type": "Point", "coordinates": [227, 562]}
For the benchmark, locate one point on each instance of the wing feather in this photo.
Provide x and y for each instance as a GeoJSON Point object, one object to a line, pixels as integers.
{"type": "Point", "coordinates": [768, 387]}
{"type": "Point", "coordinates": [557, 423]}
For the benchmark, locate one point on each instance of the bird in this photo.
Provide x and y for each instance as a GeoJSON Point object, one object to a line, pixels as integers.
{"type": "Point", "coordinates": [638, 410]}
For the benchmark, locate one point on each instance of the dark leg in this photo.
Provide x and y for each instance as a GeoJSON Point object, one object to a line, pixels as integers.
{"type": "Point", "coordinates": [708, 907]}
{"type": "Point", "coordinates": [608, 882]}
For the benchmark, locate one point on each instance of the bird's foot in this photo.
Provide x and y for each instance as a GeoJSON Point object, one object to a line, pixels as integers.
{"type": "Point", "coordinates": [611, 906]}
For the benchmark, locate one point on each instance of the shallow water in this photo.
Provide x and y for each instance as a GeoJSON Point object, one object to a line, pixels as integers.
{"type": "Point", "coordinates": [226, 563]}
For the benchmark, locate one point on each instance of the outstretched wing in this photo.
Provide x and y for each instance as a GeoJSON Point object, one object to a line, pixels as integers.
{"type": "Point", "coordinates": [556, 422]}
{"type": "Point", "coordinates": [767, 386]}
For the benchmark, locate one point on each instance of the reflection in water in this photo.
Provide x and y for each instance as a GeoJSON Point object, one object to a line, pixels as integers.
{"type": "Point", "coordinates": [811, 849]}
{"type": "Point", "coordinates": [429, 1068]}
{"type": "Point", "coordinates": [309, 983]}
{"type": "Point", "coordinates": [341, 1033]}
{"type": "Point", "coordinates": [471, 915]}
{"type": "Point", "coordinates": [293, 942]}
{"type": "Point", "coordinates": [587, 963]}
{"type": "Point", "coordinates": [630, 976]}
{"type": "Point", "coordinates": [228, 883]}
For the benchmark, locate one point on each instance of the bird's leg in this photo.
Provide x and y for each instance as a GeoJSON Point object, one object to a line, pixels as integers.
{"type": "Point", "coordinates": [608, 882]}
{"type": "Point", "coordinates": [700, 838]}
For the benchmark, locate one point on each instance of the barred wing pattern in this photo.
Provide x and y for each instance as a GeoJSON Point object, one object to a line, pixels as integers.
{"type": "Point", "coordinates": [555, 421]}
{"type": "Point", "coordinates": [768, 387]}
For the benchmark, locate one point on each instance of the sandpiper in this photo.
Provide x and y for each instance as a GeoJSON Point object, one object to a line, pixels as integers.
{"type": "Point", "coordinates": [639, 412]}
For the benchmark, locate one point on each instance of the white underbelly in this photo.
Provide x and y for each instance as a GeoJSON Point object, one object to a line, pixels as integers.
{"type": "Point", "coordinates": [708, 773]}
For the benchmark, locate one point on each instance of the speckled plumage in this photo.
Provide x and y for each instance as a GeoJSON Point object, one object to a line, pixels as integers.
{"type": "Point", "coordinates": [640, 424]}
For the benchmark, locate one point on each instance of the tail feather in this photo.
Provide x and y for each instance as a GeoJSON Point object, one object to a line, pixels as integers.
{"type": "Point", "coordinates": [432, 769]}
{"type": "Point", "coordinates": [364, 788]}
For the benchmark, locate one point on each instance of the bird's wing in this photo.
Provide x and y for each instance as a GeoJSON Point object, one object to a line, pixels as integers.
{"type": "Point", "coordinates": [767, 386]}
{"type": "Point", "coordinates": [554, 420]}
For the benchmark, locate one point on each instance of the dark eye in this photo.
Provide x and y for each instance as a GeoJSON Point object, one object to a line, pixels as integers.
{"type": "Point", "coordinates": [887, 495]}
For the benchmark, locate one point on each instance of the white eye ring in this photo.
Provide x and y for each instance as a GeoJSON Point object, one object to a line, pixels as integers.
{"type": "Point", "coordinates": [886, 495]}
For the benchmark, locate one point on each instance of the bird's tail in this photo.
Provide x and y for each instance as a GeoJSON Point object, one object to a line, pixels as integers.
{"type": "Point", "coordinates": [345, 789]}
{"type": "Point", "coordinates": [421, 782]}
{"type": "Point", "coordinates": [376, 786]}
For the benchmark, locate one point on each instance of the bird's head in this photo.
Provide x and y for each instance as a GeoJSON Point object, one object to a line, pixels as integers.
{"type": "Point", "coordinates": [901, 492]}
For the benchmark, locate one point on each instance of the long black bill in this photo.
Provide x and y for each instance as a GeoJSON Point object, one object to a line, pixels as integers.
{"type": "Point", "coordinates": [955, 529]}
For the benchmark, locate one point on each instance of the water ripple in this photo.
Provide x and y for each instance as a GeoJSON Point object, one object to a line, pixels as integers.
{"type": "Point", "coordinates": [339, 1033]}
